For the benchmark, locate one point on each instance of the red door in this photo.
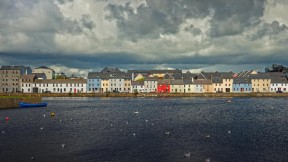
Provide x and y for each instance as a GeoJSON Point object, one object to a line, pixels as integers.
{"type": "Point", "coordinates": [74, 90]}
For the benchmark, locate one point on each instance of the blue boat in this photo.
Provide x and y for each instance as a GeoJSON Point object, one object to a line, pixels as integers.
{"type": "Point", "coordinates": [24, 104]}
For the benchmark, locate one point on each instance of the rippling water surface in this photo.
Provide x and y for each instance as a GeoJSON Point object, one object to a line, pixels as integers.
{"type": "Point", "coordinates": [147, 130]}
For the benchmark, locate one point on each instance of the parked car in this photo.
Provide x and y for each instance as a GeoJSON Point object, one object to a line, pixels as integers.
{"type": "Point", "coordinates": [19, 92]}
{"type": "Point", "coordinates": [279, 91]}
{"type": "Point", "coordinates": [47, 92]}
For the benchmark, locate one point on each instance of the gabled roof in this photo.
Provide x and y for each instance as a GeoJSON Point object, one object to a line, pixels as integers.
{"type": "Point", "coordinates": [168, 76]}
{"type": "Point", "coordinates": [227, 75]}
{"type": "Point", "coordinates": [44, 67]}
{"type": "Point", "coordinates": [110, 70]}
{"type": "Point", "coordinates": [40, 75]}
{"type": "Point", "coordinates": [246, 73]}
{"type": "Point", "coordinates": [29, 76]}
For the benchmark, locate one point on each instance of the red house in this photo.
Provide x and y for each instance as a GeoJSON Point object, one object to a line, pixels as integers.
{"type": "Point", "coordinates": [163, 86]}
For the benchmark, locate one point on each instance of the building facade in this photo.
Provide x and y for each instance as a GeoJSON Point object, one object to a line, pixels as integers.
{"type": "Point", "coordinates": [50, 73]}
{"type": "Point", "coordinates": [10, 78]}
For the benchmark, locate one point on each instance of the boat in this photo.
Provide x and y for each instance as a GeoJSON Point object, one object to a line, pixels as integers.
{"type": "Point", "coordinates": [24, 104]}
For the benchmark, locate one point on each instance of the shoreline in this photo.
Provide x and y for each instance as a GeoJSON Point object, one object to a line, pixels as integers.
{"type": "Point", "coordinates": [26, 95]}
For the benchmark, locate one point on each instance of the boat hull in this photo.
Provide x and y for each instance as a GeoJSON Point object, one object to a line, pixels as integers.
{"type": "Point", "coordinates": [24, 105]}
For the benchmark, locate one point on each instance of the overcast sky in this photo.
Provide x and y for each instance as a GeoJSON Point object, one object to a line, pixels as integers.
{"type": "Point", "coordinates": [77, 36]}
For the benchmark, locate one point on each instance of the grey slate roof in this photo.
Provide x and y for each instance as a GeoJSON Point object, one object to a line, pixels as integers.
{"type": "Point", "coordinates": [177, 82]}
{"type": "Point", "coordinates": [60, 81]}
{"type": "Point", "coordinates": [163, 81]}
{"type": "Point", "coordinates": [188, 81]}
{"type": "Point", "coordinates": [278, 77]}
{"type": "Point", "coordinates": [137, 83]}
{"type": "Point", "coordinates": [151, 79]}
{"type": "Point", "coordinates": [202, 82]}
{"type": "Point", "coordinates": [40, 75]}
{"type": "Point", "coordinates": [242, 80]}
{"type": "Point", "coordinates": [110, 70]}
{"type": "Point", "coordinates": [260, 76]}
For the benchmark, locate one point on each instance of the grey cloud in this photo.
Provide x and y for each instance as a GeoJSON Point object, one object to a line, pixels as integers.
{"type": "Point", "coordinates": [87, 22]}
{"type": "Point", "coordinates": [38, 21]}
{"type": "Point", "coordinates": [165, 16]}
{"type": "Point", "coordinates": [269, 29]}
{"type": "Point", "coordinates": [193, 30]}
{"type": "Point", "coordinates": [64, 1]}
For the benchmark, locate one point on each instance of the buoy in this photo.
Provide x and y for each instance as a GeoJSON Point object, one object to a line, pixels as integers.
{"type": "Point", "coordinates": [208, 136]}
{"type": "Point", "coordinates": [63, 145]}
{"type": "Point", "coordinates": [187, 154]}
{"type": "Point", "coordinates": [32, 158]}
{"type": "Point", "coordinates": [134, 134]}
{"type": "Point", "coordinates": [229, 101]}
{"type": "Point", "coordinates": [52, 114]}
{"type": "Point", "coordinates": [229, 132]}
{"type": "Point", "coordinates": [7, 119]}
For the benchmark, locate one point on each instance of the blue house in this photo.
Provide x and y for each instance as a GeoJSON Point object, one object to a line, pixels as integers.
{"type": "Point", "coordinates": [242, 85]}
{"type": "Point", "coordinates": [94, 82]}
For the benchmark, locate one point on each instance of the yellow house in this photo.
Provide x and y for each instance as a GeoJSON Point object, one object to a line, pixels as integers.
{"type": "Point", "coordinates": [260, 82]}
{"type": "Point", "coordinates": [127, 85]}
{"type": "Point", "coordinates": [105, 85]}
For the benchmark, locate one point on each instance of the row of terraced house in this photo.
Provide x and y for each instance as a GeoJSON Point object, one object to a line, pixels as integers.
{"type": "Point", "coordinates": [42, 79]}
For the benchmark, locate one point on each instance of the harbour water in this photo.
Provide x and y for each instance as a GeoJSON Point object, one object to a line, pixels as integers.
{"type": "Point", "coordinates": [147, 130]}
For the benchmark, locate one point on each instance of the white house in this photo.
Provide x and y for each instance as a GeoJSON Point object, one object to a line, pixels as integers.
{"type": "Point", "coordinates": [279, 82]}
{"type": "Point", "coordinates": [177, 86]}
{"type": "Point", "coordinates": [26, 83]}
{"type": "Point", "coordinates": [137, 86]}
{"type": "Point", "coordinates": [150, 84]}
{"type": "Point", "coordinates": [60, 86]}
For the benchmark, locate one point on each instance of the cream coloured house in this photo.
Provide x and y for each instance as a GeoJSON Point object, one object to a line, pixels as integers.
{"type": "Point", "coordinates": [260, 82]}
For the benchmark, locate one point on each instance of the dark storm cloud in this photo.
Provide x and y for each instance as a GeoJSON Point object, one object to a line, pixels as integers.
{"type": "Point", "coordinates": [165, 16]}
{"type": "Point", "coordinates": [105, 59]}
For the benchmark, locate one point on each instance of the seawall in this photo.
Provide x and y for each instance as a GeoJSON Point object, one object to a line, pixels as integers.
{"type": "Point", "coordinates": [13, 101]}
{"type": "Point", "coordinates": [26, 96]}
